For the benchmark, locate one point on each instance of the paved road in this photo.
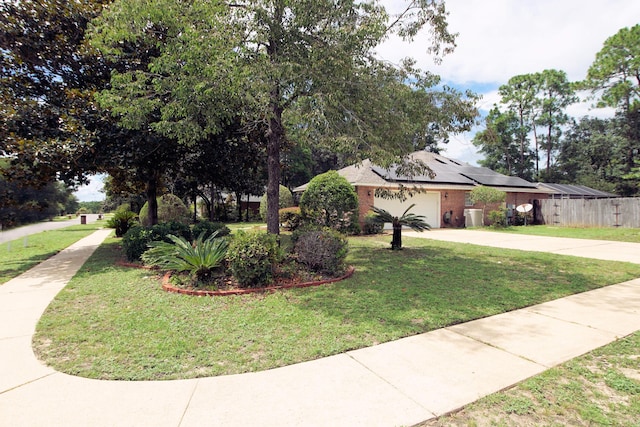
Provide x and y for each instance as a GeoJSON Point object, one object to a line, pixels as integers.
{"type": "Point", "coordinates": [27, 230]}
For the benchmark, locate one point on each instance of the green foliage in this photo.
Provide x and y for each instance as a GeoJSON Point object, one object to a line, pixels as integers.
{"type": "Point", "coordinates": [122, 221]}
{"type": "Point", "coordinates": [613, 74]}
{"type": "Point", "coordinates": [487, 195]}
{"type": "Point", "coordinates": [252, 258]}
{"type": "Point", "coordinates": [199, 258]}
{"type": "Point", "coordinates": [290, 218]}
{"type": "Point", "coordinates": [498, 218]}
{"type": "Point", "coordinates": [323, 251]}
{"type": "Point", "coordinates": [92, 207]}
{"type": "Point", "coordinates": [170, 208]}
{"type": "Point", "coordinates": [203, 54]}
{"type": "Point", "coordinates": [208, 228]}
{"type": "Point", "coordinates": [502, 147]}
{"type": "Point", "coordinates": [371, 225]}
{"type": "Point", "coordinates": [330, 201]}
{"type": "Point", "coordinates": [22, 203]}
{"type": "Point", "coordinates": [136, 241]}
{"type": "Point", "coordinates": [285, 201]}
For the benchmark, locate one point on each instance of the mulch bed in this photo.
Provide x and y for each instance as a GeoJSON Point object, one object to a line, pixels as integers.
{"type": "Point", "coordinates": [231, 289]}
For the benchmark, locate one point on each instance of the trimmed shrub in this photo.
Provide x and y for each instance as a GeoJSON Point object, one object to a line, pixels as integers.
{"type": "Point", "coordinates": [170, 209]}
{"type": "Point", "coordinates": [290, 218]}
{"type": "Point", "coordinates": [498, 218]}
{"type": "Point", "coordinates": [371, 225]}
{"type": "Point", "coordinates": [285, 201]}
{"type": "Point", "coordinates": [323, 251]}
{"type": "Point", "coordinates": [330, 201]}
{"type": "Point", "coordinates": [136, 241]}
{"type": "Point", "coordinates": [208, 228]}
{"type": "Point", "coordinates": [252, 258]}
{"type": "Point", "coordinates": [122, 221]}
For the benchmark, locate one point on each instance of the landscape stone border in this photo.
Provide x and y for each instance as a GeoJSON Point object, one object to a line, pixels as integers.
{"type": "Point", "coordinates": [199, 292]}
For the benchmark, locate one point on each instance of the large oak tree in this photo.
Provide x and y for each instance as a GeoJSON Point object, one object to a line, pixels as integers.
{"type": "Point", "coordinates": [307, 67]}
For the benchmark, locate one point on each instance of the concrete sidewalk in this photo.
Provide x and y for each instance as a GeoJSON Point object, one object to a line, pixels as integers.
{"type": "Point", "coordinates": [397, 383]}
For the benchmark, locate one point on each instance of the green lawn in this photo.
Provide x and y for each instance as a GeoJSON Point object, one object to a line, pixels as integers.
{"type": "Point", "coordinates": [20, 255]}
{"type": "Point", "coordinates": [598, 233]}
{"type": "Point", "coordinates": [116, 323]}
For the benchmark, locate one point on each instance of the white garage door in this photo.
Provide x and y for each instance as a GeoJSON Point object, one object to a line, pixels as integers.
{"type": "Point", "coordinates": [426, 204]}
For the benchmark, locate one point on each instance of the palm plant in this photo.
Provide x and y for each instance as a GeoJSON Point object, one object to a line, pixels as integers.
{"type": "Point", "coordinates": [413, 221]}
{"type": "Point", "coordinates": [199, 258]}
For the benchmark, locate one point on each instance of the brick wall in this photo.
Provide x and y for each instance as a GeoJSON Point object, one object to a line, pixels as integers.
{"type": "Point", "coordinates": [452, 201]}
{"type": "Point", "coordinates": [365, 201]}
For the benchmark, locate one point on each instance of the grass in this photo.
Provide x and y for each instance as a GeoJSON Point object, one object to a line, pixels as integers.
{"type": "Point", "coordinates": [112, 322]}
{"type": "Point", "coordinates": [598, 233]}
{"type": "Point", "coordinates": [18, 256]}
{"type": "Point", "coordinates": [233, 226]}
{"type": "Point", "coordinates": [599, 388]}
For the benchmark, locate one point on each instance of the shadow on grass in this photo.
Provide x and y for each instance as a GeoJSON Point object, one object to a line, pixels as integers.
{"type": "Point", "coordinates": [431, 285]}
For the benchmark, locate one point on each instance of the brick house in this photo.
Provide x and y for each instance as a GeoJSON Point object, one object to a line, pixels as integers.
{"type": "Point", "coordinates": [445, 198]}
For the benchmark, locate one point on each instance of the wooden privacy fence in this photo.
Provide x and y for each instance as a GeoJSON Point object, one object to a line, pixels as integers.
{"type": "Point", "coordinates": [622, 212]}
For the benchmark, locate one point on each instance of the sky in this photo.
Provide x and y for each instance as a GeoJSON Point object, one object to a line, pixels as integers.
{"type": "Point", "coordinates": [499, 39]}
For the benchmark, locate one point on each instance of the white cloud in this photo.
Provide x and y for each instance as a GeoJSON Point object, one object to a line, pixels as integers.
{"type": "Point", "coordinates": [499, 39]}
{"type": "Point", "coordinates": [92, 191]}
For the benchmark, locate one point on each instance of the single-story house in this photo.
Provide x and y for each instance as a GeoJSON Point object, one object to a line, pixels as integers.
{"type": "Point", "coordinates": [445, 199]}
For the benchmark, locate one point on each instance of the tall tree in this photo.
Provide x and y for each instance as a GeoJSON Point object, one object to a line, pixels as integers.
{"type": "Point", "coordinates": [614, 78]}
{"type": "Point", "coordinates": [556, 94]}
{"type": "Point", "coordinates": [46, 82]}
{"type": "Point", "coordinates": [285, 64]}
{"type": "Point", "coordinates": [589, 154]}
{"type": "Point", "coordinates": [519, 95]}
{"type": "Point", "coordinates": [500, 142]}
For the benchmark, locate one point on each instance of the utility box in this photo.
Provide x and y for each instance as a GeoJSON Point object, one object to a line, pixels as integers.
{"type": "Point", "coordinates": [473, 218]}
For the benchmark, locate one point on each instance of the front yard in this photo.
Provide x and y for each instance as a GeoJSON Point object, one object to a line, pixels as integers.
{"type": "Point", "coordinates": [113, 322]}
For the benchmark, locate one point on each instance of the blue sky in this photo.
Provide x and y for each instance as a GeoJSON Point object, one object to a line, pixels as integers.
{"type": "Point", "coordinates": [499, 39]}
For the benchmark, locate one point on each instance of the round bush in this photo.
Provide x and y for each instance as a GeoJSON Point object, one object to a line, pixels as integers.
{"type": "Point", "coordinates": [330, 201]}
{"type": "Point", "coordinates": [285, 201]}
{"type": "Point", "coordinates": [323, 251]}
{"type": "Point", "coordinates": [290, 218]}
{"type": "Point", "coordinates": [209, 228]}
{"type": "Point", "coordinates": [170, 208]}
{"type": "Point", "coordinates": [136, 241]}
{"type": "Point", "coordinates": [252, 257]}
{"type": "Point", "coordinates": [371, 226]}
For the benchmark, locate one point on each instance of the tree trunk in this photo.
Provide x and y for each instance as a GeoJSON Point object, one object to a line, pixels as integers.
{"type": "Point", "coordinates": [248, 196]}
{"type": "Point", "coordinates": [275, 138]}
{"type": "Point", "coordinates": [151, 191]}
{"type": "Point", "coordinates": [396, 242]}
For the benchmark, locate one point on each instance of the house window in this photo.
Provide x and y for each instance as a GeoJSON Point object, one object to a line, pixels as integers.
{"type": "Point", "coordinates": [467, 199]}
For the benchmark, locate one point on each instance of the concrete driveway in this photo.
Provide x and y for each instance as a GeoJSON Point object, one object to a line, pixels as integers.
{"type": "Point", "coordinates": [597, 249]}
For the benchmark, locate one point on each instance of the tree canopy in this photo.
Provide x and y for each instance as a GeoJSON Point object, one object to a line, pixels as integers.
{"type": "Point", "coordinates": [300, 69]}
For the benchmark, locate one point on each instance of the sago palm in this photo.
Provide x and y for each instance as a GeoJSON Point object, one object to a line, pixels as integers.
{"type": "Point", "coordinates": [199, 258]}
{"type": "Point", "coordinates": [413, 221]}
